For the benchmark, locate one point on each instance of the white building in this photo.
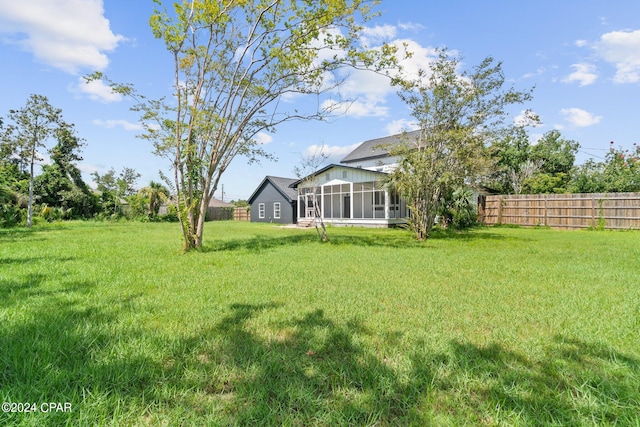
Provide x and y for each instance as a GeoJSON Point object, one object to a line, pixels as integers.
{"type": "Point", "coordinates": [353, 192]}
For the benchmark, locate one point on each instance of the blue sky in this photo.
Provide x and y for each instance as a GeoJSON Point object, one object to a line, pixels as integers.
{"type": "Point", "coordinates": [582, 56]}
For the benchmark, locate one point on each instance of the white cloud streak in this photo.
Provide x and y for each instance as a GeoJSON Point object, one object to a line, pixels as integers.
{"type": "Point", "coordinates": [580, 118]}
{"type": "Point", "coordinates": [622, 49]}
{"type": "Point", "coordinates": [124, 124]}
{"type": "Point", "coordinates": [584, 74]}
{"type": "Point", "coordinates": [97, 91]}
{"type": "Point", "coordinates": [334, 152]}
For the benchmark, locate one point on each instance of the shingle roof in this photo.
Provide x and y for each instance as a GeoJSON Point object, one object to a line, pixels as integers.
{"type": "Point", "coordinates": [217, 203]}
{"type": "Point", "coordinates": [281, 184]}
{"type": "Point", "coordinates": [326, 168]}
{"type": "Point", "coordinates": [378, 147]}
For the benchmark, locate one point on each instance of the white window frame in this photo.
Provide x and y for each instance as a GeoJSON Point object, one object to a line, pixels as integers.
{"type": "Point", "coordinates": [261, 210]}
{"type": "Point", "coordinates": [276, 210]}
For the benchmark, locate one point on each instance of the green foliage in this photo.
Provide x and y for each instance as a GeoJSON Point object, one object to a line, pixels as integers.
{"type": "Point", "coordinates": [459, 210]}
{"type": "Point", "coordinates": [461, 330]}
{"type": "Point", "coordinates": [232, 64]}
{"type": "Point", "coordinates": [620, 172]}
{"type": "Point", "coordinates": [155, 195]}
{"type": "Point", "coordinates": [458, 114]}
{"type": "Point", "coordinates": [522, 167]}
{"type": "Point", "coordinates": [114, 189]}
{"type": "Point", "coordinates": [29, 131]}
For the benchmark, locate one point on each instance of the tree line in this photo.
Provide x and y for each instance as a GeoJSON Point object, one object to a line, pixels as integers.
{"type": "Point", "coordinates": [233, 64]}
{"type": "Point", "coordinates": [59, 191]}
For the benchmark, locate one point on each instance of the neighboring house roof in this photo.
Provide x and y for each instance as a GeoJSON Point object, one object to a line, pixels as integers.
{"type": "Point", "coordinates": [379, 147]}
{"type": "Point", "coordinates": [283, 185]}
{"type": "Point", "coordinates": [217, 203]}
{"type": "Point", "coordinates": [326, 168]}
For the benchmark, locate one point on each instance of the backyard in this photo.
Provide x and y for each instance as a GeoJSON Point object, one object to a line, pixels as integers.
{"type": "Point", "coordinates": [267, 325]}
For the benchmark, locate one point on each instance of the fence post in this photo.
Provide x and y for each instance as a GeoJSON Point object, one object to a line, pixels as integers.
{"type": "Point", "coordinates": [500, 210]}
{"type": "Point", "coordinates": [546, 223]}
{"type": "Point", "coordinates": [482, 203]}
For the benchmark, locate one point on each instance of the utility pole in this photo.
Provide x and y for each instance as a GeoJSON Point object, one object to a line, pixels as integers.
{"type": "Point", "coordinates": [223, 192]}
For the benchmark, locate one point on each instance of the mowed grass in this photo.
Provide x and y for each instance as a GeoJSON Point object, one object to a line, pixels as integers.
{"type": "Point", "coordinates": [268, 326]}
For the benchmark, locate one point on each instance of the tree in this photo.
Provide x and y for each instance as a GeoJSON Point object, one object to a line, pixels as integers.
{"type": "Point", "coordinates": [157, 194]}
{"type": "Point", "coordinates": [61, 185]}
{"type": "Point", "coordinates": [458, 115]}
{"type": "Point", "coordinates": [620, 172]}
{"type": "Point", "coordinates": [233, 62]}
{"type": "Point", "coordinates": [309, 186]}
{"type": "Point", "coordinates": [114, 188]}
{"type": "Point", "coordinates": [511, 165]}
{"type": "Point", "coordinates": [32, 126]}
{"type": "Point", "coordinates": [555, 156]}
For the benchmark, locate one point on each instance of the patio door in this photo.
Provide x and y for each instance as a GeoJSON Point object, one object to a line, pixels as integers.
{"type": "Point", "coordinates": [346, 206]}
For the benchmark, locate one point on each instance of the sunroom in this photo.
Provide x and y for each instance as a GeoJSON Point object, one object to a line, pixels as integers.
{"type": "Point", "coordinates": [349, 196]}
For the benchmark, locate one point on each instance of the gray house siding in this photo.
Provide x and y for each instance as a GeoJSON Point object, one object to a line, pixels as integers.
{"type": "Point", "coordinates": [268, 195]}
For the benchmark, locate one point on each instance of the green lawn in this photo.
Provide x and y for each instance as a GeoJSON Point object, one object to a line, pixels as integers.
{"type": "Point", "coordinates": [268, 326]}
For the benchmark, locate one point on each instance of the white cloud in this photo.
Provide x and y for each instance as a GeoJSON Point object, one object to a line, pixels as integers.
{"type": "Point", "coordinates": [622, 49]}
{"type": "Point", "coordinates": [124, 124]}
{"type": "Point", "coordinates": [584, 74]}
{"type": "Point", "coordinates": [411, 26]}
{"type": "Point", "coordinates": [263, 138]}
{"type": "Point", "coordinates": [66, 34]}
{"type": "Point", "coordinates": [420, 59]}
{"type": "Point", "coordinates": [379, 34]}
{"type": "Point", "coordinates": [359, 108]}
{"type": "Point", "coordinates": [332, 151]}
{"type": "Point", "coordinates": [527, 118]}
{"type": "Point", "coordinates": [581, 43]}
{"type": "Point", "coordinates": [579, 118]}
{"type": "Point", "coordinates": [540, 71]}
{"type": "Point", "coordinates": [402, 125]}
{"type": "Point", "coordinates": [97, 91]}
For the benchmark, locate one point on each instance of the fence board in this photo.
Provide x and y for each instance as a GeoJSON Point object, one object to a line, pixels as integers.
{"type": "Point", "coordinates": [241, 214]}
{"type": "Point", "coordinates": [567, 211]}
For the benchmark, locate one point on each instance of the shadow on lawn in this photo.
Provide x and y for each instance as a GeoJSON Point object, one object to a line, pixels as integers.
{"type": "Point", "coordinates": [305, 370]}
{"type": "Point", "coordinates": [260, 243]}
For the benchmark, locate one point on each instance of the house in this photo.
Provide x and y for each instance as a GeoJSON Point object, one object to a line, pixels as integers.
{"type": "Point", "coordinates": [217, 209]}
{"type": "Point", "coordinates": [274, 200]}
{"type": "Point", "coordinates": [353, 192]}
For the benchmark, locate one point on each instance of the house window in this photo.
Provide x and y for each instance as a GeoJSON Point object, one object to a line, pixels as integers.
{"type": "Point", "coordinates": [261, 211]}
{"type": "Point", "coordinates": [276, 210]}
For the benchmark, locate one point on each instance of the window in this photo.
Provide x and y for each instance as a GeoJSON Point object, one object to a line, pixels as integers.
{"type": "Point", "coordinates": [276, 210]}
{"type": "Point", "coordinates": [261, 211]}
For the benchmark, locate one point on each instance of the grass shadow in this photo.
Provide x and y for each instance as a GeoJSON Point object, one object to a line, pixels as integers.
{"type": "Point", "coordinates": [306, 369]}
{"type": "Point", "coordinates": [361, 238]}
{"type": "Point", "coordinates": [258, 243]}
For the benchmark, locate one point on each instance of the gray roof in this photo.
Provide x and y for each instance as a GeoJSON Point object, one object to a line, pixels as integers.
{"type": "Point", "coordinates": [217, 203]}
{"type": "Point", "coordinates": [281, 184]}
{"type": "Point", "coordinates": [326, 168]}
{"type": "Point", "coordinates": [378, 147]}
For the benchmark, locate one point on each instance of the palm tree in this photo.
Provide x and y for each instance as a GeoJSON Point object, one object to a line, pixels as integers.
{"type": "Point", "coordinates": [157, 194]}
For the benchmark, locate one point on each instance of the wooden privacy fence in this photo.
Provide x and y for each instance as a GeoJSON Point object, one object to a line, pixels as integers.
{"type": "Point", "coordinates": [241, 214]}
{"type": "Point", "coordinates": [568, 211]}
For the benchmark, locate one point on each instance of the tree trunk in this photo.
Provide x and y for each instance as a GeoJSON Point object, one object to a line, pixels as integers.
{"type": "Point", "coordinates": [30, 202]}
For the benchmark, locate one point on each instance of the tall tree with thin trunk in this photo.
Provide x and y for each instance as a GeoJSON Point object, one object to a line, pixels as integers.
{"type": "Point", "coordinates": [310, 181]}
{"type": "Point", "coordinates": [235, 63]}
{"type": "Point", "coordinates": [459, 114]}
{"type": "Point", "coordinates": [31, 127]}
